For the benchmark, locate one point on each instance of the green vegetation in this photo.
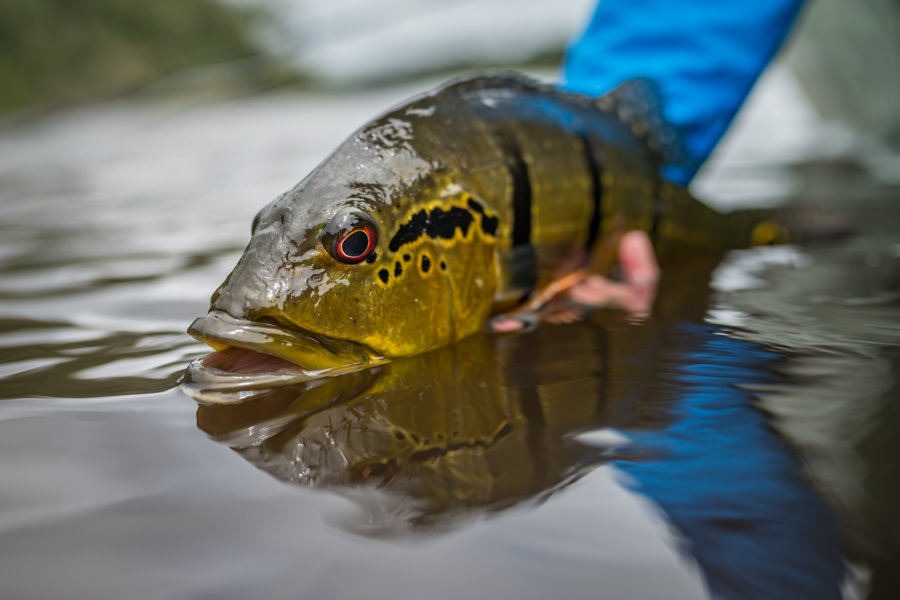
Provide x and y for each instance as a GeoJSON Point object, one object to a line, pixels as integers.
{"type": "Point", "coordinates": [54, 52]}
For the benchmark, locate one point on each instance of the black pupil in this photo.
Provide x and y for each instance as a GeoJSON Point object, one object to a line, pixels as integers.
{"type": "Point", "coordinates": [355, 244]}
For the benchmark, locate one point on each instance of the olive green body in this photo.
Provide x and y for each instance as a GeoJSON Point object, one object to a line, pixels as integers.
{"type": "Point", "coordinates": [481, 192]}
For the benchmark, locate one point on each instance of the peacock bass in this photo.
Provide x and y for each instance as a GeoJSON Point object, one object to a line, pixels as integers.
{"type": "Point", "coordinates": [458, 204]}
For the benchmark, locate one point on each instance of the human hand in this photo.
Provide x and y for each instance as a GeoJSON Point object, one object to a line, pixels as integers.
{"type": "Point", "coordinates": [634, 293]}
{"type": "Point", "coordinates": [640, 275]}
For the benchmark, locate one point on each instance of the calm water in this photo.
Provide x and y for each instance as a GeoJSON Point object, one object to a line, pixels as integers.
{"type": "Point", "coordinates": [742, 443]}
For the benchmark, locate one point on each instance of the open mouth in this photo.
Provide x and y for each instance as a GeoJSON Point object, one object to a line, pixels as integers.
{"type": "Point", "coordinates": [252, 355]}
{"type": "Point", "coordinates": [246, 362]}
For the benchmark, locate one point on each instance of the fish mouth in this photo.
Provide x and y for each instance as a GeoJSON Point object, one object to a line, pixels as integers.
{"type": "Point", "coordinates": [253, 355]}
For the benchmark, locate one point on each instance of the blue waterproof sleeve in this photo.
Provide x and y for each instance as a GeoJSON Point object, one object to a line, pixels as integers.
{"type": "Point", "coordinates": [704, 55]}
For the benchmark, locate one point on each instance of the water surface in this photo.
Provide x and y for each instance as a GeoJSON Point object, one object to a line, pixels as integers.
{"type": "Point", "coordinates": [740, 443]}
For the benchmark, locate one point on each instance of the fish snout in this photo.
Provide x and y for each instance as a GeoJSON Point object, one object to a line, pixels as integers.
{"type": "Point", "coordinates": [259, 283]}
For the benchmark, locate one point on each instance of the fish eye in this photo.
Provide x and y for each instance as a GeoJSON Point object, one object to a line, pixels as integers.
{"type": "Point", "coordinates": [355, 245]}
{"type": "Point", "coordinates": [350, 237]}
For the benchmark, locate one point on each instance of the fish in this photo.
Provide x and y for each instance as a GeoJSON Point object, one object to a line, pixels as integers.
{"type": "Point", "coordinates": [464, 431]}
{"type": "Point", "coordinates": [463, 202]}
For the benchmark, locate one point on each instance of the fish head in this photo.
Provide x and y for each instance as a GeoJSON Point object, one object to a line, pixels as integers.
{"type": "Point", "coordinates": [375, 255]}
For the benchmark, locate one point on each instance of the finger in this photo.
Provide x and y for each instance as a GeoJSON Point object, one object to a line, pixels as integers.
{"type": "Point", "coordinates": [639, 266]}
{"type": "Point", "coordinates": [504, 324]}
{"type": "Point", "coordinates": [596, 290]}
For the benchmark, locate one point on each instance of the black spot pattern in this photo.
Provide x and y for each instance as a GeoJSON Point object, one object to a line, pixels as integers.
{"type": "Point", "coordinates": [372, 257]}
{"type": "Point", "coordinates": [488, 224]}
{"type": "Point", "coordinates": [426, 263]}
{"type": "Point", "coordinates": [398, 269]}
{"type": "Point", "coordinates": [383, 274]}
{"type": "Point", "coordinates": [443, 266]}
{"type": "Point", "coordinates": [435, 224]}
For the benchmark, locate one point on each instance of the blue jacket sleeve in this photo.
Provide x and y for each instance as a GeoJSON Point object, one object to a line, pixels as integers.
{"type": "Point", "coordinates": [704, 55]}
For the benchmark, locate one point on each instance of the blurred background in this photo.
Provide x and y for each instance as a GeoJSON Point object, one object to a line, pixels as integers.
{"type": "Point", "coordinates": [137, 141]}
{"type": "Point", "coordinates": [833, 91]}
{"type": "Point", "coordinates": [56, 53]}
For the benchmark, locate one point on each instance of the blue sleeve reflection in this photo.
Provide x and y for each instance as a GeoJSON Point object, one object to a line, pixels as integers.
{"type": "Point", "coordinates": [731, 486]}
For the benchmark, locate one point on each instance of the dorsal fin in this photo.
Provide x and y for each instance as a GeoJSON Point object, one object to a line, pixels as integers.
{"type": "Point", "coordinates": [638, 104]}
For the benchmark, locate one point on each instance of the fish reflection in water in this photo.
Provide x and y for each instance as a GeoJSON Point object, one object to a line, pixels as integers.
{"type": "Point", "coordinates": [476, 426]}
{"type": "Point", "coordinates": [435, 441]}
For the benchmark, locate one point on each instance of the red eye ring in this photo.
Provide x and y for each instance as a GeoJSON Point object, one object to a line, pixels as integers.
{"type": "Point", "coordinates": [355, 245]}
{"type": "Point", "coordinates": [350, 236]}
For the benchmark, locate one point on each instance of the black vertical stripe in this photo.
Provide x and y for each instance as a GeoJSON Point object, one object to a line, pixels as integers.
{"type": "Point", "coordinates": [656, 161]}
{"type": "Point", "coordinates": [657, 211]}
{"type": "Point", "coordinates": [521, 200]}
{"type": "Point", "coordinates": [521, 188]}
{"type": "Point", "coordinates": [593, 166]}
{"type": "Point", "coordinates": [523, 260]}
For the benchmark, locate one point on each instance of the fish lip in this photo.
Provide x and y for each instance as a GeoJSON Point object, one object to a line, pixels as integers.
{"type": "Point", "coordinates": [313, 355]}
